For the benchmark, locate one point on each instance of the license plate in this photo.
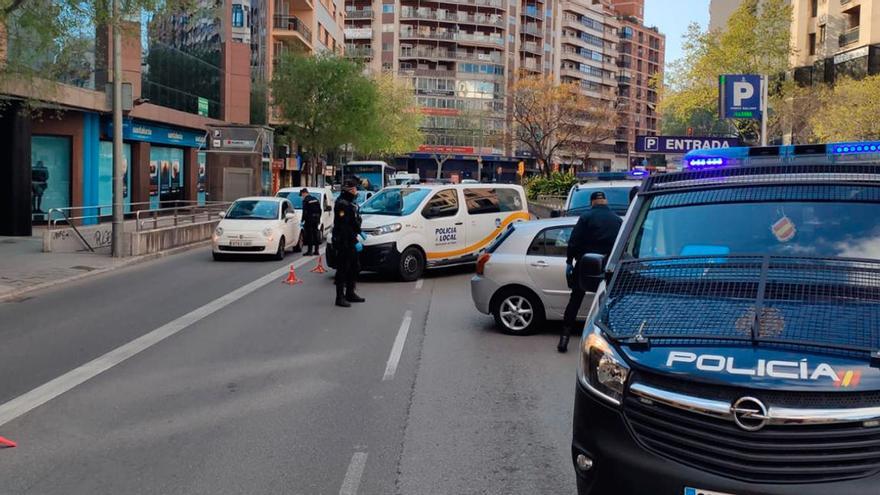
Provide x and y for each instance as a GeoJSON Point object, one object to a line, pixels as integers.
{"type": "Point", "coordinates": [239, 243]}
{"type": "Point", "coordinates": [699, 491]}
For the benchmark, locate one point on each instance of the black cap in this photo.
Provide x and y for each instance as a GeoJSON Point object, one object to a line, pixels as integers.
{"type": "Point", "coordinates": [304, 191]}
{"type": "Point", "coordinates": [350, 183]}
{"type": "Point", "coordinates": [597, 195]}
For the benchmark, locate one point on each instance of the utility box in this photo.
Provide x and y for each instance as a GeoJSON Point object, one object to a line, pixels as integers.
{"type": "Point", "coordinates": [239, 161]}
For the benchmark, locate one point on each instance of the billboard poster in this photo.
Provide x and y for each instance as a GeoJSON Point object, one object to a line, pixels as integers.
{"type": "Point", "coordinates": [202, 188]}
{"type": "Point", "coordinates": [105, 176]}
{"type": "Point", "coordinates": [168, 181]}
{"type": "Point", "coordinates": [50, 175]}
{"type": "Point", "coordinates": [154, 184]}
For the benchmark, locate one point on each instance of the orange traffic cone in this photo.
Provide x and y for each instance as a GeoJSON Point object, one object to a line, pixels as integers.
{"type": "Point", "coordinates": [291, 278]}
{"type": "Point", "coordinates": [6, 443]}
{"type": "Point", "coordinates": [319, 268]}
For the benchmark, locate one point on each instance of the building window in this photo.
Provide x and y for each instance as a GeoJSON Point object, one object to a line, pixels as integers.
{"type": "Point", "coordinates": [237, 16]}
{"type": "Point", "coordinates": [822, 34]}
{"type": "Point", "coordinates": [812, 43]}
{"type": "Point", "coordinates": [814, 8]}
{"type": "Point", "coordinates": [388, 8]}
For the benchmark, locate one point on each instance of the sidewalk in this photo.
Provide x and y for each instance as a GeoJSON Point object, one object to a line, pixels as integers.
{"type": "Point", "coordinates": [25, 268]}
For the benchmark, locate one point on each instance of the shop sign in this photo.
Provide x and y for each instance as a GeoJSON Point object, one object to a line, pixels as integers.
{"type": "Point", "coordinates": [851, 55]}
{"type": "Point", "coordinates": [203, 106]}
{"type": "Point", "coordinates": [133, 130]}
{"type": "Point", "coordinates": [448, 150]}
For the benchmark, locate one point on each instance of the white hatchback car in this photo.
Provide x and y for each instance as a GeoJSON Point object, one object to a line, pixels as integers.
{"type": "Point", "coordinates": [258, 225]}
{"type": "Point", "coordinates": [324, 195]}
{"type": "Point", "coordinates": [520, 278]}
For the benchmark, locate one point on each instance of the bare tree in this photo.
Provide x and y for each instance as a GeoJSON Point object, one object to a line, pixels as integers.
{"type": "Point", "coordinates": [598, 124]}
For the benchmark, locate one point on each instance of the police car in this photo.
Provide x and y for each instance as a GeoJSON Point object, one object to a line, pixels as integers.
{"type": "Point", "coordinates": [733, 346]}
{"type": "Point", "coordinates": [618, 188]}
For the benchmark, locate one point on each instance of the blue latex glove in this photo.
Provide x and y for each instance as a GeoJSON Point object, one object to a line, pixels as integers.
{"type": "Point", "coordinates": [569, 270]}
{"type": "Point", "coordinates": [363, 236]}
{"type": "Point", "coordinates": [359, 247]}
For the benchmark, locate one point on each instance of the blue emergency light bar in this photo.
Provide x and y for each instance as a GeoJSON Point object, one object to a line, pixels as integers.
{"type": "Point", "coordinates": [724, 157]}
{"type": "Point", "coordinates": [635, 174]}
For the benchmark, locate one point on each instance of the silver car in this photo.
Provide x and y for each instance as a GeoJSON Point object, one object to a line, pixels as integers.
{"type": "Point", "coordinates": [521, 277]}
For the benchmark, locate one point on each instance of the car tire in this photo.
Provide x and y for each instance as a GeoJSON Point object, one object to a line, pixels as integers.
{"type": "Point", "coordinates": [282, 249]}
{"type": "Point", "coordinates": [299, 244]}
{"type": "Point", "coordinates": [518, 311]}
{"type": "Point", "coordinates": [219, 256]}
{"type": "Point", "coordinates": [411, 265]}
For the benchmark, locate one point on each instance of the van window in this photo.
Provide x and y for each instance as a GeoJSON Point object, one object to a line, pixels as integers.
{"type": "Point", "coordinates": [551, 242]}
{"type": "Point", "coordinates": [481, 201]}
{"type": "Point", "coordinates": [443, 204]}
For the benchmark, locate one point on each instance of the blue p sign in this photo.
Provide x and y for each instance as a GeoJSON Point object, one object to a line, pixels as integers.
{"type": "Point", "coordinates": [739, 96]}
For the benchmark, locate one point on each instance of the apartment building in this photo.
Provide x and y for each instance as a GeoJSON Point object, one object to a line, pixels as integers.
{"type": "Point", "coordinates": [835, 38]}
{"type": "Point", "coordinates": [185, 73]}
{"type": "Point", "coordinates": [640, 58]}
{"type": "Point", "coordinates": [720, 11]}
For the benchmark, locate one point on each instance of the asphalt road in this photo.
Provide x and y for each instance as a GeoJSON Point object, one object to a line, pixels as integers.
{"type": "Point", "coordinates": [186, 376]}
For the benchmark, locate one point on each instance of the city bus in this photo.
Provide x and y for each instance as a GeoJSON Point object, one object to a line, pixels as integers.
{"type": "Point", "coordinates": [374, 175]}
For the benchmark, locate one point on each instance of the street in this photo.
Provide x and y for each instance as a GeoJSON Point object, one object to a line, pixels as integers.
{"type": "Point", "coordinates": [210, 378]}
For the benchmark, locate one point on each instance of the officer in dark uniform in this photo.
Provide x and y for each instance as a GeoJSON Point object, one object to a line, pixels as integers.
{"type": "Point", "coordinates": [595, 232]}
{"type": "Point", "coordinates": [346, 242]}
{"type": "Point", "coordinates": [312, 212]}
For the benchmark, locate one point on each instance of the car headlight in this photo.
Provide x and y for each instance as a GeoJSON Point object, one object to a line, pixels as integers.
{"type": "Point", "coordinates": [267, 232]}
{"type": "Point", "coordinates": [218, 231]}
{"type": "Point", "coordinates": [601, 369]}
{"type": "Point", "coordinates": [387, 229]}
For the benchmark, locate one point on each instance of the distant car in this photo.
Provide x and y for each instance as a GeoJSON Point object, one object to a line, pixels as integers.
{"type": "Point", "coordinates": [617, 192]}
{"type": "Point", "coordinates": [362, 196]}
{"type": "Point", "coordinates": [520, 278]}
{"type": "Point", "coordinates": [323, 194]}
{"type": "Point", "coordinates": [258, 225]}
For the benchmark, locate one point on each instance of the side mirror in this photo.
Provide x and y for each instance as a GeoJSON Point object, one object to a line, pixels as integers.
{"type": "Point", "coordinates": [222, 214]}
{"type": "Point", "coordinates": [590, 271]}
{"type": "Point", "coordinates": [555, 213]}
{"type": "Point", "coordinates": [289, 216]}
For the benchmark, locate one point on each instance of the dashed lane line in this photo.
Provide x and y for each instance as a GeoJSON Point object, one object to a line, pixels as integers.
{"type": "Point", "coordinates": [397, 347]}
{"type": "Point", "coordinates": [353, 475]}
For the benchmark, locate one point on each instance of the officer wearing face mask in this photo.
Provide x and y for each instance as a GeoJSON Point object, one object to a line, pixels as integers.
{"type": "Point", "coordinates": [346, 243]}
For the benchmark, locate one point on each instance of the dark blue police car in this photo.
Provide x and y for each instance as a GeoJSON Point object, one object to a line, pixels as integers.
{"type": "Point", "coordinates": [734, 346]}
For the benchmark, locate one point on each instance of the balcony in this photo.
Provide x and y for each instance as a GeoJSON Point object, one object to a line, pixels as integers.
{"type": "Point", "coordinates": [358, 51]}
{"type": "Point", "coordinates": [458, 18]}
{"type": "Point", "coordinates": [292, 24]}
{"type": "Point", "coordinates": [849, 36]}
{"type": "Point", "coordinates": [531, 47]}
{"type": "Point", "coordinates": [359, 14]}
{"type": "Point", "coordinates": [533, 11]}
{"type": "Point", "coordinates": [427, 72]}
{"type": "Point", "coordinates": [498, 4]}
{"type": "Point", "coordinates": [531, 29]}
{"type": "Point", "coordinates": [440, 54]}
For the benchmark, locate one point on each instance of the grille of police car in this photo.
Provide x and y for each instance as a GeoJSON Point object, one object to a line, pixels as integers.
{"type": "Point", "coordinates": [833, 304]}
{"type": "Point", "coordinates": [775, 454]}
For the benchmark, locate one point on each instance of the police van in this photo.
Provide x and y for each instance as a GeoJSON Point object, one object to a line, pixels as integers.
{"type": "Point", "coordinates": [733, 346]}
{"type": "Point", "coordinates": [408, 229]}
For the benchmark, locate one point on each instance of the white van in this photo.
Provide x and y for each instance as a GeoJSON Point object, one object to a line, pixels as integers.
{"type": "Point", "coordinates": [324, 195]}
{"type": "Point", "coordinates": [414, 227]}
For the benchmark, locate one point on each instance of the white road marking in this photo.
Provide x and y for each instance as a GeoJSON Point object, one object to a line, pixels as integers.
{"type": "Point", "coordinates": [353, 475]}
{"type": "Point", "coordinates": [397, 348]}
{"type": "Point", "coordinates": [44, 393]}
{"type": "Point", "coordinates": [419, 283]}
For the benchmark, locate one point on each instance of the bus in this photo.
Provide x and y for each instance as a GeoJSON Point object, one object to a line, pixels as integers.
{"type": "Point", "coordinates": [374, 175]}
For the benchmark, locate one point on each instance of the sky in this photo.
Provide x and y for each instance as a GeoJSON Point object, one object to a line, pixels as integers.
{"type": "Point", "coordinates": [672, 18]}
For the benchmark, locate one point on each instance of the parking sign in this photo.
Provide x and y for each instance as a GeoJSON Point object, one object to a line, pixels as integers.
{"type": "Point", "coordinates": [739, 96]}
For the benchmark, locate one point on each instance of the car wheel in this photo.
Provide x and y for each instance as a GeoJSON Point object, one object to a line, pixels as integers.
{"type": "Point", "coordinates": [412, 264]}
{"type": "Point", "coordinates": [518, 312]}
{"type": "Point", "coordinates": [282, 249]}
{"type": "Point", "coordinates": [219, 256]}
{"type": "Point", "coordinates": [299, 244]}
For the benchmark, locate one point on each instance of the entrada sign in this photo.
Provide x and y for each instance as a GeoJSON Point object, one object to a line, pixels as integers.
{"type": "Point", "coordinates": [681, 144]}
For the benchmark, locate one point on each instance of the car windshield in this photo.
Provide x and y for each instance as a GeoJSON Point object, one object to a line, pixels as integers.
{"type": "Point", "coordinates": [795, 224]}
{"type": "Point", "coordinates": [397, 201]}
{"type": "Point", "coordinates": [253, 209]}
{"type": "Point", "coordinates": [617, 196]}
{"type": "Point", "coordinates": [295, 198]}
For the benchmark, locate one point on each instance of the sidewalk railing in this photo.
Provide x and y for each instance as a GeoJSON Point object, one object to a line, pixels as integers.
{"type": "Point", "coordinates": [90, 215]}
{"type": "Point", "coordinates": [180, 215]}
{"type": "Point", "coordinates": [553, 202]}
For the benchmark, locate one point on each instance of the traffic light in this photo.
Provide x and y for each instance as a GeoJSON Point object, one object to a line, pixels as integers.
{"type": "Point", "coordinates": [521, 168]}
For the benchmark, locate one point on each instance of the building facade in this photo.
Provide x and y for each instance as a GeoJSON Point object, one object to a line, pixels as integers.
{"type": "Point", "coordinates": [720, 11]}
{"type": "Point", "coordinates": [835, 39]}
{"type": "Point", "coordinates": [185, 73]}
{"type": "Point", "coordinates": [640, 58]}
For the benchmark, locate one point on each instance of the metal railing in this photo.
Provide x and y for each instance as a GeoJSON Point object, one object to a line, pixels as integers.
{"type": "Point", "coordinates": [292, 23]}
{"type": "Point", "coordinates": [451, 55]}
{"type": "Point", "coordinates": [90, 215]}
{"type": "Point", "coordinates": [849, 36]}
{"type": "Point", "coordinates": [554, 202]}
{"type": "Point", "coordinates": [359, 14]}
{"type": "Point", "coordinates": [179, 215]}
{"type": "Point", "coordinates": [489, 19]}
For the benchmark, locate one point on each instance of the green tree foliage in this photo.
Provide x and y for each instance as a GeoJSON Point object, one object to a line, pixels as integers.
{"type": "Point", "coordinates": [756, 40]}
{"type": "Point", "coordinates": [324, 99]}
{"type": "Point", "coordinates": [849, 111]}
{"type": "Point", "coordinates": [554, 184]}
{"type": "Point", "coordinates": [394, 127]}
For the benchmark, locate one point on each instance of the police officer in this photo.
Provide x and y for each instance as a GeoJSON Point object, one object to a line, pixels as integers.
{"type": "Point", "coordinates": [595, 232]}
{"type": "Point", "coordinates": [346, 243]}
{"type": "Point", "coordinates": [312, 212]}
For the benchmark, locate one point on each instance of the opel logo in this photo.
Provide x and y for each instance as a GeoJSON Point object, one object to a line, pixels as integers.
{"type": "Point", "coordinates": [749, 413]}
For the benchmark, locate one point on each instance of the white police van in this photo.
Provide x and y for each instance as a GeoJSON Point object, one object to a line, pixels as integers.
{"type": "Point", "coordinates": [408, 229]}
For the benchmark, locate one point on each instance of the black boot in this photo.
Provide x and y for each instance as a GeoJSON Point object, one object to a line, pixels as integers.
{"type": "Point", "coordinates": [340, 297]}
{"type": "Point", "coordinates": [563, 343]}
{"type": "Point", "coordinates": [351, 296]}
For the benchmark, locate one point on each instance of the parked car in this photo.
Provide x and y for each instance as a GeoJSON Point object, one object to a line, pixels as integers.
{"type": "Point", "coordinates": [323, 194]}
{"type": "Point", "coordinates": [362, 196]}
{"type": "Point", "coordinates": [520, 278]}
{"type": "Point", "coordinates": [258, 225]}
{"type": "Point", "coordinates": [617, 192]}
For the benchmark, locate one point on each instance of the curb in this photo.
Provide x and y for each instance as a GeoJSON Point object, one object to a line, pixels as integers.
{"type": "Point", "coordinates": [127, 262]}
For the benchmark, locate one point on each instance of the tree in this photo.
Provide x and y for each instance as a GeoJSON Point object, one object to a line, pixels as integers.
{"type": "Point", "coordinates": [756, 40]}
{"type": "Point", "coordinates": [394, 127]}
{"type": "Point", "coordinates": [546, 117]}
{"type": "Point", "coordinates": [794, 107]}
{"type": "Point", "coordinates": [598, 124]}
{"type": "Point", "coordinates": [325, 100]}
{"type": "Point", "coordinates": [849, 111]}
